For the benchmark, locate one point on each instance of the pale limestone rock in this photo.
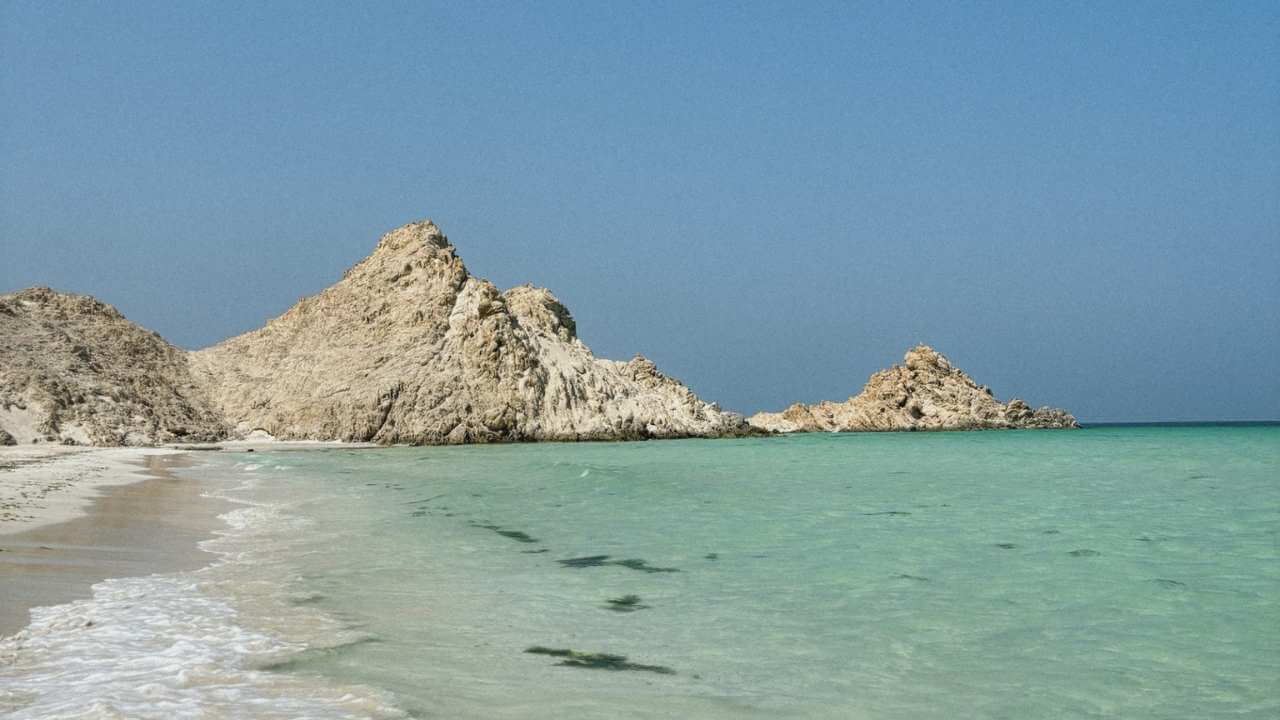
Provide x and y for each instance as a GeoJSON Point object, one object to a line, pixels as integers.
{"type": "Point", "coordinates": [411, 348]}
{"type": "Point", "coordinates": [924, 393]}
{"type": "Point", "coordinates": [74, 370]}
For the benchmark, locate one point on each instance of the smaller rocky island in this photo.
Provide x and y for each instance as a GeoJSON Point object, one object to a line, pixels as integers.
{"type": "Point", "coordinates": [925, 392]}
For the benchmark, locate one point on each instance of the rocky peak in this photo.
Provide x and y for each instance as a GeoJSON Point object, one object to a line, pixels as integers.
{"type": "Point", "coordinates": [924, 393]}
{"type": "Point", "coordinates": [59, 304]}
{"type": "Point", "coordinates": [408, 251]}
{"type": "Point", "coordinates": [537, 307]}
{"type": "Point", "coordinates": [74, 370]}
{"type": "Point", "coordinates": [923, 358]}
{"type": "Point", "coordinates": [411, 348]}
{"type": "Point", "coordinates": [412, 238]}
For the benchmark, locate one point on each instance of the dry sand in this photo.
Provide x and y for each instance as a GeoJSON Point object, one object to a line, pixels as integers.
{"type": "Point", "coordinates": [71, 517]}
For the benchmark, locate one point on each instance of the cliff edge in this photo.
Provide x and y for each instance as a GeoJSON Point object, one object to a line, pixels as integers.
{"type": "Point", "coordinates": [924, 393]}
{"type": "Point", "coordinates": [409, 347]}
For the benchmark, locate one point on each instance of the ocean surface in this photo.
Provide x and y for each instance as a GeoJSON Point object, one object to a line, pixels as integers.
{"type": "Point", "coordinates": [1120, 572]}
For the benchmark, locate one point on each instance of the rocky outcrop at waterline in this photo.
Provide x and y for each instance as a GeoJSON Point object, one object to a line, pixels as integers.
{"type": "Point", "coordinates": [409, 347]}
{"type": "Point", "coordinates": [74, 370]}
{"type": "Point", "coordinates": [924, 393]}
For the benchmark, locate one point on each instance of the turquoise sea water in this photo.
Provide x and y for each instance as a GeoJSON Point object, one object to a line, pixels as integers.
{"type": "Point", "coordinates": [1108, 572]}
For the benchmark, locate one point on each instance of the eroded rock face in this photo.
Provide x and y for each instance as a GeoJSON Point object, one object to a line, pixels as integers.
{"type": "Point", "coordinates": [74, 370]}
{"type": "Point", "coordinates": [411, 348]}
{"type": "Point", "coordinates": [924, 393]}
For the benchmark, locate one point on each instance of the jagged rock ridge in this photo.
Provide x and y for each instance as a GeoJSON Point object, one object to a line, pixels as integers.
{"type": "Point", "coordinates": [409, 347]}
{"type": "Point", "coordinates": [924, 393]}
{"type": "Point", "coordinates": [74, 370]}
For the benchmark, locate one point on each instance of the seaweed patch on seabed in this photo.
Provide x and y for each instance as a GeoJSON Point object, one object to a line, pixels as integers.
{"type": "Point", "coordinates": [602, 560]}
{"type": "Point", "coordinates": [597, 661]}
{"type": "Point", "coordinates": [642, 566]}
{"type": "Point", "coordinates": [582, 562]}
{"type": "Point", "coordinates": [626, 603]}
{"type": "Point", "coordinates": [513, 534]}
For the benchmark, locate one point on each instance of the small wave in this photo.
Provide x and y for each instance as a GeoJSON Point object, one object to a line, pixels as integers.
{"type": "Point", "coordinates": [196, 644]}
{"type": "Point", "coordinates": [158, 647]}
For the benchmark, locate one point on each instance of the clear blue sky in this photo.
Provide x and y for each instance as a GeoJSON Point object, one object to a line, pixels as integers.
{"type": "Point", "coordinates": [1079, 203]}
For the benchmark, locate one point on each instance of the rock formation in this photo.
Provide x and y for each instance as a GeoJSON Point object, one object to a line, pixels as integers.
{"type": "Point", "coordinates": [411, 348]}
{"type": "Point", "coordinates": [408, 347]}
{"type": "Point", "coordinates": [924, 393]}
{"type": "Point", "coordinates": [74, 370]}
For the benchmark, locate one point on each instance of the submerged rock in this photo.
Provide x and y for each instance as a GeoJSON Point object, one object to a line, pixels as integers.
{"type": "Point", "coordinates": [924, 393]}
{"type": "Point", "coordinates": [516, 535]}
{"type": "Point", "coordinates": [597, 661]}
{"type": "Point", "coordinates": [585, 562]}
{"type": "Point", "coordinates": [409, 347]}
{"type": "Point", "coordinates": [626, 603]}
{"type": "Point", "coordinates": [603, 560]}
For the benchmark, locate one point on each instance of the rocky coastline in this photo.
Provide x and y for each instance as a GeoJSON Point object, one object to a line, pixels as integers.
{"type": "Point", "coordinates": [407, 348]}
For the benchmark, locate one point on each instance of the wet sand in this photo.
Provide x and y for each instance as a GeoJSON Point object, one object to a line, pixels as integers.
{"type": "Point", "coordinates": [144, 527]}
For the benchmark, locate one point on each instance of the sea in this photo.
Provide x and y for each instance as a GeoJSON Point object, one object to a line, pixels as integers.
{"type": "Point", "coordinates": [1108, 572]}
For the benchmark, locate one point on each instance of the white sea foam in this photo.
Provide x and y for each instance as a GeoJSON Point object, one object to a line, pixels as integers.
{"type": "Point", "coordinates": [184, 645]}
{"type": "Point", "coordinates": [160, 647]}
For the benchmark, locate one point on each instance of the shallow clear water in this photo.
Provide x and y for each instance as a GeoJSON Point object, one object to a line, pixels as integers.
{"type": "Point", "coordinates": [1109, 572]}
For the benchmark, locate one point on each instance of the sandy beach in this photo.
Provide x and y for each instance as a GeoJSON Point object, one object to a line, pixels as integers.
{"type": "Point", "coordinates": [71, 517]}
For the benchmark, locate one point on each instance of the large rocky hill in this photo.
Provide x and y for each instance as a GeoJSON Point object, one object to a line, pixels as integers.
{"type": "Point", "coordinates": [409, 347]}
{"type": "Point", "coordinates": [74, 370]}
{"type": "Point", "coordinates": [923, 393]}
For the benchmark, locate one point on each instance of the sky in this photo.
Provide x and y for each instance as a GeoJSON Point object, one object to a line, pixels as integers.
{"type": "Point", "coordinates": [1078, 203]}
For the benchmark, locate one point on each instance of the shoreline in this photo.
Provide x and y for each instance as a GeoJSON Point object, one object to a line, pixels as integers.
{"type": "Point", "coordinates": [46, 484]}
{"type": "Point", "coordinates": [72, 517]}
